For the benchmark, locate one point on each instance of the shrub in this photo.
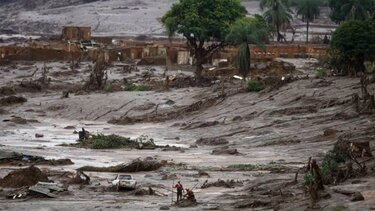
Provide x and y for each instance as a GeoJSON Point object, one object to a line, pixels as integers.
{"type": "Point", "coordinates": [134, 87]}
{"type": "Point", "coordinates": [320, 73]}
{"type": "Point", "coordinates": [370, 67]}
{"type": "Point", "coordinates": [101, 141]}
{"type": "Point", "coordinates": [330, 164]}
{"type": "Point", "coordinates": [308, 179]}
{"type": "Point", "coordinates": [255, 86]}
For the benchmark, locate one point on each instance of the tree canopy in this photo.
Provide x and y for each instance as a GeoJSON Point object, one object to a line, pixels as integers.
{"type": "Point", "coordinates": [247, 31]}
{"type": "Point", "coordinates": [342, 10]}
{"type": "Point", "coordinates": [352, 44]}
{"type": "Point", "coordinates": [204, 23]}
{"type": "Point", "coordinates": [278, 14]}
{"type": "Point", "coordinates": [309, 10]}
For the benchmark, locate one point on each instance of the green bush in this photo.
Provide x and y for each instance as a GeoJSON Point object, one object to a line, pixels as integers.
{"type": "Point", "coordinates": [255, 86]}
{"type": "Point", "coordinates": [308, 179]}
{"type": "Point", "coordinates": [101, 141]}
{"type": "Point", "coordinates": [370, 67]}
{"type": "Point", "coordinates": [330, 164]}
{"type": "Point", "coordinates": [320, 73]}
{"type": "Point", "coordinates": [134, 87]}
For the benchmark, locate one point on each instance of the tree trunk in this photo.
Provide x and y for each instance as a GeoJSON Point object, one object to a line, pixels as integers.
{"type": "Point", "coordinates": [198, 70]}
{"type": "Point", "coordinates": [199, 61]}
{"type": "Point", "coordinates": [307, 32]}
{"type": "Point", "coordinates": [278, 32]}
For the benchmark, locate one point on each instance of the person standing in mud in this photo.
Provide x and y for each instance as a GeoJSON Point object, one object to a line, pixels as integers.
{"type": "Point", "coordinates": [179, 189]}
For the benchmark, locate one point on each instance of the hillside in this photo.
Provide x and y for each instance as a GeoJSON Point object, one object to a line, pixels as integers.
{"type": "Point", "coordinates": [106, 17]}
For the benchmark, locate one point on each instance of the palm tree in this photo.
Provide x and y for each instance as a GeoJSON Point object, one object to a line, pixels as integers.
{"type": "Point", "coordinates": [244, 32]}
{"type": "Point", "coordinates": [309, 10]}
{"type": "Point", "coordinates": [358, 9]}
{"type": "Point", "coordinates": [278, 14]}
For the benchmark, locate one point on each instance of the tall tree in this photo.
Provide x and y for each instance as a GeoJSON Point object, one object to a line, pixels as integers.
{"type": "Point", "coordinates": [278, 14]}
{"type": "Point", "coordinates": [244, 32]}
{"type": "Point", "coordinates": [309, 10]}
{"type": "Point", "coordinates": [358, 9]}
{"type": "Point", "coordinates": [204, 23]}
{"type": "Point", "coordinates": [342, 10]}
{"type": "Point", "coordinates": [352, 44]}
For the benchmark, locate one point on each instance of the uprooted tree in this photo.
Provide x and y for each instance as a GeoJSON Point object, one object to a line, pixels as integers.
{"type": "Point", "coordinates": [98, 76]}
{"type": "Point", "coordinates": [204, 24]}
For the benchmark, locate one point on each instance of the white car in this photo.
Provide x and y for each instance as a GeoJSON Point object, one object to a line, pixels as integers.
{"type": "Point", "coordinates": [124, 182]}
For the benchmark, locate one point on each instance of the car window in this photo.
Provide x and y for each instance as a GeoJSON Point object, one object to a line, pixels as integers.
{"type": "Point", "coordinates": [125, 177]}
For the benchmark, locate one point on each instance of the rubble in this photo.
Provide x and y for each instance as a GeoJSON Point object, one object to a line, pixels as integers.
{"type": "Point", "coordinates": [19, 159]}
{"type": "Point", "coordinates": [46, 189]}
{"type": "Point", "coordinates": [23, 177]}
{"type": "Point", "coordinates": [80, 178]}
{"type": "Point", "coordinates": [212, 141]}
{"type": "Point", "coordinates": [7, 101]}
{"type": "Point", "coordinates": [222, 183]}
{"type": "Point", "coordinates": [224, 151]}
{"type": "Point", "coordinates": [147, 164]}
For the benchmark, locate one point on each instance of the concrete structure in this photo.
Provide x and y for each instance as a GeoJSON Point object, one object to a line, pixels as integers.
{"type": "Point", "coordinates": [76, 33]}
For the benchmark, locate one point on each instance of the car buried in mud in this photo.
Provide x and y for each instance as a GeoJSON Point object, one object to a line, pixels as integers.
{"type": "Point", "coordinates": [124, 181]}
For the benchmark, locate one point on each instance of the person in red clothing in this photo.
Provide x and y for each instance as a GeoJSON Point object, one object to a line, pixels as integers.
{"type": "Point", "coordinates": [180, 189]}
{"type": "Point", "coordinates": [190, 194]}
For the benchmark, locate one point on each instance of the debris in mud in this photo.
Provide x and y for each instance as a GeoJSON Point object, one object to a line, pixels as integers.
{"type": "Point", "coordinates": [186, 203]}
{"type": "Point", "coordinates": [167, 176]}
{"type": "Point", "coordinates": [20, 120]}
{"type": "Point", "coordinates": [148, 164]}
{"type": "Point", "coordinates": [168, 148]}
{"type": "Point", "coordinates": [30, 86]}
{"type": "Point", "coordinates": [195, 125]}
{"type": "Point", "coordinates": [18, 159]}
{"type": "Point", "coordinates": [320, 84]}
{"type": "Point", "coordinates": [202, 173]}
{"type": "Point", "coordinates": [80, 178]}
{"type": "Point", "coordinates": [280, 142]}
{"type": "Point", "coordinates": [7, 101]}
{"type": "Point", "coordinates": [141, 191]}
{"type": "Point", "coordinates": [39, 135]}
{"type": "Point", "coordinates": [7, 90]}
{"type": "Point", "coordinates": [222, 183]}
{"type": "Point", "coordinates": [253, 203]}
{"type": "Point", "coordinates": [164, 208]}
{"type": "Point", "coordinates": [69, 127]}
{"type": "Point", "coordinates": [46, 189]}
{"type": "Point", "coordinates": [178, 112]}
{"type": "Point", "coordinates": [329, 132]}
{"type": "Point", "coordinates": [101, 141]}
{"type": "Point", "coordinates": [225, 151]}
{"type": "Point", "coordinates": [276, 82]}
{"type": "Point", "coordinates": [272, 167]}
{"type": "Point", "coordinates": [212, 141]}
{"type": "Point", "coordinates": [357, 196]}
{"type": "Point", "coordinates": [366, 103]}
{"type": "Point", "coordinates": [295, 110]}
{"type": "Point", "coordinates": [23, 177]}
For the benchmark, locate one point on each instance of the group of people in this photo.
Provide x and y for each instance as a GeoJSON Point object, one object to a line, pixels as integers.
{"type": "Point", "coordinates": [180, 189]}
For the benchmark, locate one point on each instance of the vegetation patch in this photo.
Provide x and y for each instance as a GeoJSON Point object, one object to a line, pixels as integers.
{"type": "Point", "coordinates": [330, 164]}
{"type": "Point", "coordinates": [272, 167]}
{"type": "Point", "coordinates": [6, 101]}
{"type": "Point", "coordinates": [280, 142]}
{"type": "Point", "coordinates": [255, 86]}
{"type": "Point", "coordinates": [320, 73]}
{"type": "Point", "coordinates": [135, 87]}
{"type": "Point", "coordinates": [100, 141]}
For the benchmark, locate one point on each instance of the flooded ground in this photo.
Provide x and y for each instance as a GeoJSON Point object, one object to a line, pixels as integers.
{"type": "Point", "coordinates": [274, 132]}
